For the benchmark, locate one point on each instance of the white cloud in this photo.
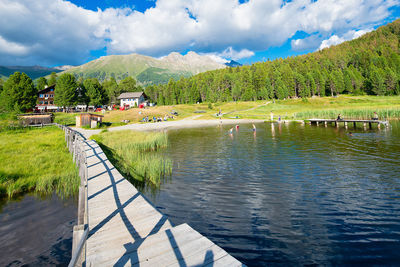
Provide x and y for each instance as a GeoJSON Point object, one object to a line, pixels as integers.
{"type": "Point", "coordinates": [56, 31]}
{"type": "Point", "coordinates": [230, 53]}
{"type": "Point", "coordinates": [335, 40]}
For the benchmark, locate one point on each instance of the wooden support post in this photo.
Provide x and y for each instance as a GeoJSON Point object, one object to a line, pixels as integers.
{"type": "Point", "coordinates": [336, 124]}
{"type": "Point", "coordinates": [326, 123]}
{"type": "Point", "coordinates": [317, 123]}
{"type": "Point", "coordinates": [76, 237]}
{"type": "Point", "coordinates": [379, 125]}
{"type": "Point", "coordinates": [345, 124]}
{"type": "Point", "coordinates": [355, 125]}
{"type": "Point", "coordinates": [81, 205]}
{"type": "Point", "coordinates": [365, 125]}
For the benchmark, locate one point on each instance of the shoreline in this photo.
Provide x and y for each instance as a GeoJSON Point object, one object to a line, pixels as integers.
{"type": "Point", "coordinates": [166, 125]}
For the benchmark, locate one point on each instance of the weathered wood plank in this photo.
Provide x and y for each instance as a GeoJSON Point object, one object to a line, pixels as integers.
{"type": "Point", "coordinates": [126, 228]}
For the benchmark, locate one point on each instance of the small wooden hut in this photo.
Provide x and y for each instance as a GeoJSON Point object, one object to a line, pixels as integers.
{"type": "Point", "coordinates": [88, 119]}
{"type": "Point", "coordinates": [36, 118]}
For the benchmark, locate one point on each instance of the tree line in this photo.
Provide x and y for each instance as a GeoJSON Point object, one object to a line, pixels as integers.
{"type": "Point", "coordinates": [19, 93]}
{"type": "Point", "coordinates": [367, 65]}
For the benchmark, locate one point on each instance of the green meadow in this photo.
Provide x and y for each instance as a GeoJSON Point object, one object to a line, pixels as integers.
{"type": "Point", "coordinates": [36, 160]}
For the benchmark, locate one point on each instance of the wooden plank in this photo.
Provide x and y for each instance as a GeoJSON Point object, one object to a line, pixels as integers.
{"type": "Point", "coordinates": [126, 228]}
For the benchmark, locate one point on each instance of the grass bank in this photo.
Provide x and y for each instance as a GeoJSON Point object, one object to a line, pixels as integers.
{"type": "Point", "coordinates": [36, 160]}
{"type": "Point", "coordinates": [136, 154]}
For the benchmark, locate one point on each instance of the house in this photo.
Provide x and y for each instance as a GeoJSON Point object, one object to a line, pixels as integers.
{"type": "Point", "coordinates": [45, 99]}
{"type": "Point", "coordinates": [132, 99]}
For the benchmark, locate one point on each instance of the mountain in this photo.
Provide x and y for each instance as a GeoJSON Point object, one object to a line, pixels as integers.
{"type": "Point", "coordinates": [369, 65]}
{"type": "Point", "coordinates": [147, 70]}
{"type": "Point", "coordinates": [32, 71]}
{"type": "Point", "coordinates": [233, 64]}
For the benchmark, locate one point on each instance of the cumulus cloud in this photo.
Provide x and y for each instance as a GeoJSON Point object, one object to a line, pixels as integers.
{"type": "Point", "coordinates": [230, 53]}
{"type": "Point", "coordinates": [335, 40]}
{"type": "Point", "coordinates": [57, 31]}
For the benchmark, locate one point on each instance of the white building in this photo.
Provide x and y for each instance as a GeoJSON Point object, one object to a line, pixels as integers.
{"type": "Point", "coordinates": [132, 99]}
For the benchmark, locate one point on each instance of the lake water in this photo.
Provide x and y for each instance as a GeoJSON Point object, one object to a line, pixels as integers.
{"type": "Point", "coordinates": [289, 194]}
{"type": "Point", "coordinates": [36, 231]}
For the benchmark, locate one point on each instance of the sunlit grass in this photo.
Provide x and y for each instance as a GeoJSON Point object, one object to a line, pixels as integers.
{"type": "Point", "coordinates": [135, 154]}
{"type": "Point", "coordinates": [36, 160]}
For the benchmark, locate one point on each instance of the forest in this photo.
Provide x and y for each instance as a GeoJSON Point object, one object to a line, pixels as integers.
{"type": "Point", "coordinates": [367, 65]}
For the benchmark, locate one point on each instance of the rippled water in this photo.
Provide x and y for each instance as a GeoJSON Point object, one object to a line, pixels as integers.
{"type": "Point", "coordinates": [36, 231]}
{"type": "Point", "coordinates": [289, 194]}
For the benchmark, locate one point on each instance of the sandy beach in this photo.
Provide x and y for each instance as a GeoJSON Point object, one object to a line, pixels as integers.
{"type": "Point", "coordinates": [165, 125]}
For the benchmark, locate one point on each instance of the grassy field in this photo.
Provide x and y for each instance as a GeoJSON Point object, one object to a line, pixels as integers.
{"type": "Point", "coordinates": [135, 154]}
{"type": "Point", "coordinates": [327, 107]}
{"type": "Point", "coordinates": [36, 160]}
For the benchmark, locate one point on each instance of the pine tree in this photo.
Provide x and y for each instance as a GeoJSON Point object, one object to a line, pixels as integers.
{"type": "Point", "coordinates": [18, 94]}
{"type": "Point", "coordinates": [42, 82]}
{"type": "Point", "coordinates": [53, 79]}
{"type": "Point", "coordinates": [65, 93]}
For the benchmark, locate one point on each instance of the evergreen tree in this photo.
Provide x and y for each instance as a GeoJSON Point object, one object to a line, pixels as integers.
{"type": "Point", "coordinates": [53, 79]}
{"type": "Point", "coordinates": [377, 81]}
{"type": "Point", "coordinates": [95, 92]}
{"type": "Point", "coordinates": [18, 94]}
{"type": "Point", "coordinates": [65, 93]}
{"type": "Point", "coordinates": [41, 84]}
{"type": "Point", "coordinates": [112, 90]}
{"type": "Point", "coordinates": [127, 85]}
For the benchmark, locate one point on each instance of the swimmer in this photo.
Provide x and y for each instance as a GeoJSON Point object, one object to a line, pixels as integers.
{"type": "Point", "coordinates": [230, 130]}
{"type": "Point", "coordinates": [254, 128]}
{"type": "Point", "coordinates": [350, 133]}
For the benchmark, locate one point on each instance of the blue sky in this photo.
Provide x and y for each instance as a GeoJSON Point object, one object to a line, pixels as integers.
{"type": "Point", "coordinates": [60, 32]}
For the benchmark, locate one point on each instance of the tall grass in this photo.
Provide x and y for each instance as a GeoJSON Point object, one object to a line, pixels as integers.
{"type": "Point", "coordinates": [392, 113]}
{"type": "Point", "coordinates": [137, 154]}
{"type": "Point", "coordinates": [36, 160]}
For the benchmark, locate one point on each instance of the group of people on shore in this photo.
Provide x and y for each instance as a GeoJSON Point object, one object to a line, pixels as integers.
{"type": "Point", "coordinates": [157, 119]}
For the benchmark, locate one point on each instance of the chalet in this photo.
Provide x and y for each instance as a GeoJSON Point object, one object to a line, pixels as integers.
{"type": "Point", "coordinates": [45, 99]}
{"type": "Point", "coordinates": [132, 99]}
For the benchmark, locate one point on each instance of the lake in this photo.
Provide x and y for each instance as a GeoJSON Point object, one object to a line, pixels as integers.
{"type": "Point", "coordinates": [36, 231]}
{"type": "Point", "coordinates": [289, 194]}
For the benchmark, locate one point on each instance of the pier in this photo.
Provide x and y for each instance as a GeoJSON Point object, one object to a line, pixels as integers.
{"type": "Point", "coordinates": [346, 122]}
{"type": "Point", "coordinates": [118, 226]}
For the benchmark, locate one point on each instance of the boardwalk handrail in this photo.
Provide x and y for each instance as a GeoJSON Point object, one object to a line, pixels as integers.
{"type": "Point", "coordinates": [75, 144]}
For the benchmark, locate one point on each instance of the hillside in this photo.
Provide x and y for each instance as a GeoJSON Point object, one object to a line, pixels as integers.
{"type": "Point", "coordinates": [32, 71]}
{"type": "Point", "coordinates": [147, 70]}
{"type": "Point", "coordinates": [367, 65]}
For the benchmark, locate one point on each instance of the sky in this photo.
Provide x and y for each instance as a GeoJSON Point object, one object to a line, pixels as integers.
{"type": "Point", "coordinates": [58, 32]}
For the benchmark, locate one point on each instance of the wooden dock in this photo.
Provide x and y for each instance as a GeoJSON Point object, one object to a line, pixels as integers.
{"type": "Point", "coordinates": [118, 226]}
{"type": "Point", "coordinates": [346, 122]}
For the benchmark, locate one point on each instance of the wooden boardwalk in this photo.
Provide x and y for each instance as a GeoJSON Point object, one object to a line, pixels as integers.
{"type": "Point", "coordinates": [125, 229]}
{"type": "Point", "coordinates": [347, 121]}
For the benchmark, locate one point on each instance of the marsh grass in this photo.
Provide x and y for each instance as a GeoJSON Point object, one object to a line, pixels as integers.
{"type": "Point", "coordinates": [366, 114]}
{"type": "Point", "coordinates": [137, 154]}
{"type": "Point", "coordinates": [36, 160]}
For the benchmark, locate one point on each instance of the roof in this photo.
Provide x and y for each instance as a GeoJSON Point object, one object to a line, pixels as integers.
{"type": "Point", "coordinates": [47, 89]}
{"type": "Point", "coordinates": [131, 95]}
{"type": "Point", "coordinates": [91, 115]}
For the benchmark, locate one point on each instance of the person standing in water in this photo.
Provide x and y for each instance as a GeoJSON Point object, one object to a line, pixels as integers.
{"type": "Point", "coordinates": [231, 131]}
{"type": "Point", "coordinates": [237, 127]}
{"type": "Point", "coordinates": [254, 128]}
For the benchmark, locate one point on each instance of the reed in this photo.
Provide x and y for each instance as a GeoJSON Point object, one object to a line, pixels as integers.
{"type": "Point", "coordinates": [36, 160]}
{"type": "Point", "coordinates": [389, 113]}
{"type": "Point", "coordinates": [137, 154]}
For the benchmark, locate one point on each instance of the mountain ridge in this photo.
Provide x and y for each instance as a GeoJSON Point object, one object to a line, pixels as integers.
{"type": "Point", "coordinates": [146, 69]}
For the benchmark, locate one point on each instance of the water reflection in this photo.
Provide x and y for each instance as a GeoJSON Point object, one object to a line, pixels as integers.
{"type": "Point", "coordinates": [289, 194]}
